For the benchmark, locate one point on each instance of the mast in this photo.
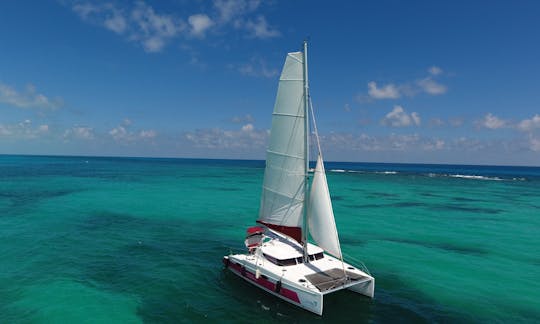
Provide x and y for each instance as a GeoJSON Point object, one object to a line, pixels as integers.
{"type": "Point", "coordinates": [306, 158]}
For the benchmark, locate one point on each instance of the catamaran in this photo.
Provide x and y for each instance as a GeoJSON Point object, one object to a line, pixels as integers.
{"type": "Point", "coordinates": [279, 258]}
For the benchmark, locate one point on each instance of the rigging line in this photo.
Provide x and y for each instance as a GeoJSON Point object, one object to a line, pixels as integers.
{"type": "Point", "coordinates": [315, 126]}
{"type": "Point", "coordinates": [323, 171]}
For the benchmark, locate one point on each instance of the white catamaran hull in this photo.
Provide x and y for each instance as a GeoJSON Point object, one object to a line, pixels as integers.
{"type": "Point", "coordinates": [301, 285]}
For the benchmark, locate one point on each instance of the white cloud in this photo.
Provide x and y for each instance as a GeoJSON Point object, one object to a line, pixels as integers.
{"type": "Point", "coordinates": [388, 91]}
{"type": "Point", "coordinates": [435, 145]}
{"type": "Point", "coordinates": [125, 134]}
{"type": "Point", "coordinates": [199, 24]}
{"type": "Point", "coordinates": [257, 68]}
{"type": "Point", "coordinates": [141, 23]}
{"type": "Point", "coordinates": [247, 128]}
{"type": "Point", "coordinates": [229, 9]}
{"type": "Point", "coordinates": [399, 118]}
{"type": "Point", "coordinates": [492, 122]}
{"type": "Point", "coordinates": [435, 122]}
{"type": "Point", "coordinates": [79, 132]}
{"type": "Point", "coordinates": [30, 98]}
{"type": "Point", "coordinates": [528, 125]}
{"type": "Point", "coordinates": [435, 70]}
{"type": "Point", "coordinates": [432, 87]}
{"type": "Point", "coordinates": [153, 29]}
{"type": "Point", "coordinates": [259, 28]}
{"type": "Point", "coordinates": [410, 89]}
{"type": "Point", "coordinates": [247, 138]}
{"type": "Point", "coordinates": [416, 118]}
{"type": "Point", "coordinates": [393, 142]}
{"type": "Point", "coordinates": [243, 119]}
{"type": "Point", "coordinates": [117, 23]}
{"type": "Point", "coordinates": [120, 133]}
{"type": "Point", "coordinates": [23, 130]}
{"type": "Point", "coordinates": [85, 9]}
{"type": "Point", "coordinates": [534, 144]}
{"type": "Point", "coordinates": [147, 134]}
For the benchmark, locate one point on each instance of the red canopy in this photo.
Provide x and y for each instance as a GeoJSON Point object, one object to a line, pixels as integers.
{"type": "Point", "coordinates": [255, 230]}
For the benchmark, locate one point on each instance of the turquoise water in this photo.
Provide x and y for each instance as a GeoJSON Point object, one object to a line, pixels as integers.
{"type": "Point", "coordinates": [94, 240]}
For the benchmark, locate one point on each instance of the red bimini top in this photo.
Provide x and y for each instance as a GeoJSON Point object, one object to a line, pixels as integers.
{"type": "Point", "coordinates": [255, 230]}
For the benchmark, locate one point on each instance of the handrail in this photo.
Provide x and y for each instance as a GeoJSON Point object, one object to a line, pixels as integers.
{"type": "Point", "coordinates": [357, 262]}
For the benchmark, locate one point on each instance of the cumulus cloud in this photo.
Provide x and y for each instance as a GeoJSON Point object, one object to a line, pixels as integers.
{"type": "Point", "coordinates": [432, 87]}
{"type": "Point", "coordinates": [492, 122]}
{"type": "Point", "coordinates": [23, 130]}
{"type": "Point", "coordinates": [247, 137]}
{"type": "Point", "coordinates": [256, 67]}
{"type": "Point", "coordinates": [388, 91]}
{"type": "Point", "coordinates": [125, 133]}
{"type": "Point", "coordinates": [435, 70]}
{"type": "Point", "coordinates": [426, 85]}
{"type": "Point", "coordinates": [147, 134]}
{"type": "Point", "coordinates": [29, 98]}
{"type": "Point", "coordinates": [259, 28]}
{"type": "Point", "coordinates": [230, 9]}
{"type": "Point", "coordinates": [79, 132]}
{"type": "Point", "coordinates": [436, 122]}
{"type": "Point", "coordinates": [392, 142]}
{"type": "Point", "coordinates": [117, 23]}
{"type": "Point", "coordinates": [534, 144]}
{"type": "Point", "coordinates": [243, 119]}
{"type": "Point", "coordinates": [141, 23]}
{"type": "Point", "coordinates": [529, 125]}
{"type": "Point", "coordinates": [399, 118]}
{"type": "Point", "coordinates": [199, 24]}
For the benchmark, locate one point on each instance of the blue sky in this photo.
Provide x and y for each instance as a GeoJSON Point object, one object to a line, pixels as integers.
{"type": "Point", "coordinates": [391, 81]}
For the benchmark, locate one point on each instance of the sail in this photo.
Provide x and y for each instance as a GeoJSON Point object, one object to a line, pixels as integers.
{"type": "Point", "coordinates": [322, 225]}
{"type": "Point", "coordinates": [284, 177]}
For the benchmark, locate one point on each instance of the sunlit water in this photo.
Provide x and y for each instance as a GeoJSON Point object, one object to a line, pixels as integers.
{"type": "Point", "coordinates": [141, 240]}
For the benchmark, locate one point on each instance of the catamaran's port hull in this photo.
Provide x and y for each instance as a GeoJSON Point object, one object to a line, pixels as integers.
{"type": "Point", "coordinates": [308, 300]}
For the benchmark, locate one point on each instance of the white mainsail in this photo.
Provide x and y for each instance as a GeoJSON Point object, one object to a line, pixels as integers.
{"type": "Point", "coordinates": [282, 196]}
{"type": "Point", "coordinates": [322, 225]}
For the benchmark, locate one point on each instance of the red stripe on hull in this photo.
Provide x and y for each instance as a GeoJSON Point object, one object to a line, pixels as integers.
{"type": "Point", "coordinates": [287, 293]}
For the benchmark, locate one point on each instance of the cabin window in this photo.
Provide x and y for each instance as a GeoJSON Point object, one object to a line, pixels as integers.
{"type": "Point", "coordinates": [282, 263]}
{"type": "Point", "coordinates": [316, 256]}
{"type": "Point", "coordinates": [287, 262]}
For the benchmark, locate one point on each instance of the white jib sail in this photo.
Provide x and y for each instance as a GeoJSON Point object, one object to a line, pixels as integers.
{"type": "Point", "coordinates": [283, 187]}
{"type": "Point", "coordinates": [322, 225]}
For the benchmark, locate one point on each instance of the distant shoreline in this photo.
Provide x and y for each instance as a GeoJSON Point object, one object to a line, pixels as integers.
{"type": "Point", "coordinates": [426, 164]}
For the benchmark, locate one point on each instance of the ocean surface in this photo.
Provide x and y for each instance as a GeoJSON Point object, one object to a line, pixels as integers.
{"type": "Point", "coordinates": [130, 240]}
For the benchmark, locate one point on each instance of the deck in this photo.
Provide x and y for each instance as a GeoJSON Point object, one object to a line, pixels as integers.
{"type": "Point", "coordinates": [333, 278]}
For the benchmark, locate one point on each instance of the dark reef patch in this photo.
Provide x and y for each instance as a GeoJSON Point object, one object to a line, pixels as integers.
{"type": "Point", "coordinates": [442, 246]}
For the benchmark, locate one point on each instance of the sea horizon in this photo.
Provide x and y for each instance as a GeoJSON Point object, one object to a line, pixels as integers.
{"type": "Point", "coordinates": [263, 160]}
